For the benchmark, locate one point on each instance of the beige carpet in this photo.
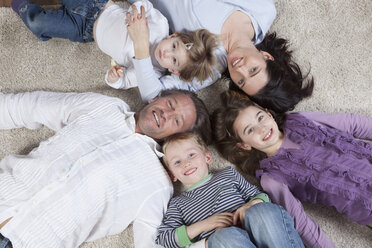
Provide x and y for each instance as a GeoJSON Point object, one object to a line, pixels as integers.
{"type": "Point", "coordinates": [332, 36]}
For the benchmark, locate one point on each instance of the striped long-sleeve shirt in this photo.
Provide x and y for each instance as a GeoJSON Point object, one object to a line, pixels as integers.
{"type": "Point", "coordinates": [224, 191]}
{"type": "Point", "coordinates": [93, 178]}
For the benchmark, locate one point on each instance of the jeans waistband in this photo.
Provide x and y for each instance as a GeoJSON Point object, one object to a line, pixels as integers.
{"type": "Point", "coordinates": [92, 15]}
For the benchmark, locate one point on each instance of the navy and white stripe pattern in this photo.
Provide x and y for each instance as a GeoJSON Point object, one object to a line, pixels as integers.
{"type": "Point", "coordinates": [225, 191]}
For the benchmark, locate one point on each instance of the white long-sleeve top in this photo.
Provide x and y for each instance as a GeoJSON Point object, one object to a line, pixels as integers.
{"type": "Point", "coordinates": [113, 39]}
{"type": "Point", "coordinates": [93, 178]}
{"type": "Point", "coordinates": [190, 15]}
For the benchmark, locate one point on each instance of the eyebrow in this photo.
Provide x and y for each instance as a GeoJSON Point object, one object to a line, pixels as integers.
{"type": "Point", "coordinates": [258, 113]}
{"type": "Point", "coordinates": [254, 74]}
{"type": "Point", "coordinates": [177, 45]}
{"type": "Point", "coordinates": [182, 117]}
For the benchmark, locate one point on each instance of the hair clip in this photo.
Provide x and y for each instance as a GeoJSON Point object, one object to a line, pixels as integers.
{"type": "Point", "coordinates": [228, 133]}
{"type": "Point", "coordinates": [188, 46]}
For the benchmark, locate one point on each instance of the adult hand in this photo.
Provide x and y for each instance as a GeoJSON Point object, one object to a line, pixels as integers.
{"type": "Point", "coordinates": [138, 31]}
{"type": "Point", "coordinates": [114, 74]}
{"type": "Point", "coordinates": [239, 214]}
{"type": "Point", "coordinates": [216, 221]}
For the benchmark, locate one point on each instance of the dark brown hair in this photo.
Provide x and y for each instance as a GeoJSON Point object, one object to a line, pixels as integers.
{"type": "Point", "coordinates": [226, 139]}
{"type": "Point", "coordinates": [287, 85]}
{"type": "Point", "coordinates": [202, 125]}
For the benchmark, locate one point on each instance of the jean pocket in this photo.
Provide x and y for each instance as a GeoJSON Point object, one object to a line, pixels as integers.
{"type": "Point", "coordinates": [85, 11]}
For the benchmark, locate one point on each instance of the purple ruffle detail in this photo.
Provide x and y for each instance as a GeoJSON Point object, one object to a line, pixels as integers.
{"type": "Point", "coordinates": [333, 167]}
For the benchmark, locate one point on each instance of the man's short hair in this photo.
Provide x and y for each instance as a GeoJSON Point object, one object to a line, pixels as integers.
{"type": "Point", "coordinates": [202, 125]}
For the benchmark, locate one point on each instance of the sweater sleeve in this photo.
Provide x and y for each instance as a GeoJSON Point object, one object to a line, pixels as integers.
{"type": "Point", "coordinates": [167, 231]}
{"type": "Point", "coordinates": [307, 228]}
{"type": "Point", "coordinates": [248, 190]}
{"type": "Point", "coordinates": [359, 126]}
{"type": "Point", "coordinates": [54, 110]}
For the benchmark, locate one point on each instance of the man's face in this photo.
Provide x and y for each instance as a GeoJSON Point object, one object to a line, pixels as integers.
{"type": "Point", "coordinates": [164, 116]}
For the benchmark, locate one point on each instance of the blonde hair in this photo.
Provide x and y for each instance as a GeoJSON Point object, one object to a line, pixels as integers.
{"type": "Point", "coordinates": [182, 137]}
{"type": "Point", "coordinates": [201, 58]}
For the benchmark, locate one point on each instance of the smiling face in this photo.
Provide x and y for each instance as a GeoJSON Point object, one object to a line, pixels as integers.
{"type": "Point", "coordinates": [165, 116]}
{"type": "Point", "coordinates": [258, 129]}
{"type": "Point", "coordinates": [187, 161]}
{"type": "Point", "coordinates": [247, 67]}
{"type": "Point", "coordinates": [171, 54]}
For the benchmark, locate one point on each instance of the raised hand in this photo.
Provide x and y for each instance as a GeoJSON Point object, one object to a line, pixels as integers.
{"type": "Point", "coordinates": [138, 31]}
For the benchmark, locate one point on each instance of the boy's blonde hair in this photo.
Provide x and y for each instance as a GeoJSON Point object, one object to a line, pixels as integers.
{"type": "Point", "coordinates": [182, 137]}
{"type": "Point", "coordinates": [200, 55]}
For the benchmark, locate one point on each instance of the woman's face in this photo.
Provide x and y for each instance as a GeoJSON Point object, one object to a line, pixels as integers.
{"type": "Point", "coordinates": [247, 67]}
{"type": "Point", "coordinates": [258, 129]}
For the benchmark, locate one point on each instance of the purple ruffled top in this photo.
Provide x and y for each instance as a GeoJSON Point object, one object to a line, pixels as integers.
{"type": "Point", "coordinates": [328, 166]}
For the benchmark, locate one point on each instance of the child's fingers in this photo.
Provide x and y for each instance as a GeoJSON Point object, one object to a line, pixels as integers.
{"type": "Point", "coordinates": [242, 217]}
{"type": "Point", "coordinates": [235, 218]}
{"type": "Point", "coordinates": [120, 72]}
{"type": "Point", "coordinates": [134, 11]}
{"type": "Point", "coordinates": [127, 18]}
{"type": "Point", "coordinates": [143, 13]}
{"type": "Point", "coordinates": [113, 73]}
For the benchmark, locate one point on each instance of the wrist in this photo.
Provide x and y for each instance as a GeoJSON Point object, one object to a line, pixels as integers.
{"type": "Point", "coordinates": [141, 51]}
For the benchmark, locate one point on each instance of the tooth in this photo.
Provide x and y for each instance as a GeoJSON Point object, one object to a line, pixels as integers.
{"type": "Point", "coordinates": [236, 61]}
{"type": "Point", "coordinates": [156, 118]}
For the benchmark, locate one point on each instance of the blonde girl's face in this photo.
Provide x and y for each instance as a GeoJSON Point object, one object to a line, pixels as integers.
{"type": "Point", "coordinates": [258, 129]}
{"type": "Point", "coordinates": [187, 161]}
{"type": "Point", "coordinates": [171, 54]}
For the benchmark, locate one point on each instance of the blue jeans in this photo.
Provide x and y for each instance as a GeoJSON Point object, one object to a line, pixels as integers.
{"type": "Point", "coordinates": [4, 242]}
{"type": "Point", "coordinates": [73, 21]}
{"type": "Point", "coordinates": [266, 225]}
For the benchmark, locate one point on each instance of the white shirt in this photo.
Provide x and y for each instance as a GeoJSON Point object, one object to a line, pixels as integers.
{"type": "Point", "coordinates": [93, 178]}
{"type": "Point", "coordinates": [190, 15]}
{"type": "Point", "coordinates": [113, 39]}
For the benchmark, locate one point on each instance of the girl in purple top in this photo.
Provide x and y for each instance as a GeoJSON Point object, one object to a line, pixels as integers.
{"type": "Point", "coordinates": [311, 156]}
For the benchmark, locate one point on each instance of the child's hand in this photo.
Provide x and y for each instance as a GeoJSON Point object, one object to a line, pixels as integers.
{"type": "Point", "coordinates": [217, 221]}
{"type": "Point", "coordinates": [138, 31]}
{"type": "Point", "coordinates": [239, 214]}
{"type": "Point", "coordinates": [114, 74]}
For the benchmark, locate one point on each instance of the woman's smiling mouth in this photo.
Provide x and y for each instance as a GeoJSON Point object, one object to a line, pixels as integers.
{"type": "Point", "coordinates": [235, 61]}
{"type": "Point", "coordinates": [268, 136]}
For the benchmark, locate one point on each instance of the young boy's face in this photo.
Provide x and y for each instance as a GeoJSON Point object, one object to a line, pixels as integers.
{"type": "Point", "coordinates": [187, 161]}
{"type": "Point", "coordinates": [171, 54]}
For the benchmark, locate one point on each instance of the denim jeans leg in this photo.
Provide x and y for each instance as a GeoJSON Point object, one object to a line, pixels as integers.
{"type": "Point", "coordinates": [4, 243]}
{"type": "Point", "coordinates": [269, 225]}
{"type": "Point", "coordinates": [47, 24]}
{"type": "Point", "coordinates": [230, 237]}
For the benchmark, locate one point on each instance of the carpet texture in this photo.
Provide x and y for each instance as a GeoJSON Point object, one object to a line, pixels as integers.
{"type": "Point", "coordinates": [330, 37]}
